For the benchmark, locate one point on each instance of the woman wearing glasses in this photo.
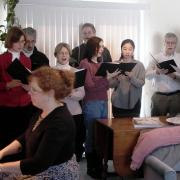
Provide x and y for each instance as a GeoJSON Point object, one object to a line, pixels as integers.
{"type": "Point", "coordinates": [49, 140]}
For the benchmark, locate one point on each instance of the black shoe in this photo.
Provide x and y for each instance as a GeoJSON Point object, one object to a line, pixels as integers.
{"type": "Point", "coordinates": [94, 173]}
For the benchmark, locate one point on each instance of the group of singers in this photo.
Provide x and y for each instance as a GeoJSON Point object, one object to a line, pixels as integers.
{"type": "Point", "coordinates": [45, 122]}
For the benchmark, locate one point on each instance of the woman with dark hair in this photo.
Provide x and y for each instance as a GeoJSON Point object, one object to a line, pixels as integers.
{"type": "Point", "coordinates": [126, 96]}
{"type": "Point", "coordinates": [15, 103]}
{"type": "Point", "coordinates": [49, 140]}
{"type": "Point", "coordinates": [95, 101]}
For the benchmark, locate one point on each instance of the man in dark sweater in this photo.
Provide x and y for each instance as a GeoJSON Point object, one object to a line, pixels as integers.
{"type": "Point", "coordinates": [38, 59]}
{"type": "Point", "coordinates": [78, 53]}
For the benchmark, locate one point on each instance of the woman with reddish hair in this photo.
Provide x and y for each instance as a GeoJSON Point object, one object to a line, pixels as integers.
{"type": "Point", "coordinates": [15, 102]}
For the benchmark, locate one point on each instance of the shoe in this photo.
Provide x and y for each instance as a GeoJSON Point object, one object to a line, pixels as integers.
{"type": "Point", "coordinates": [94, 173]}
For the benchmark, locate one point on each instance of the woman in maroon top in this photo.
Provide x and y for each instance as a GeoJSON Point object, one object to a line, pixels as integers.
{"type": "Point", "coordinates": [95, 101]}
{"type": "Point", "coordinates": [15, 103]}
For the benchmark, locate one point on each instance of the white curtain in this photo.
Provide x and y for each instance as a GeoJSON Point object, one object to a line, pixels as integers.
{"type": "Point", "coordinates": [59, 21]}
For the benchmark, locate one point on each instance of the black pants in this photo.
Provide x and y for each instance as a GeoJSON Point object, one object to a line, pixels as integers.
{"type": "Point", "coordinates": [80, 135]}
{"type": "Point", "coordinates": [135, 112]}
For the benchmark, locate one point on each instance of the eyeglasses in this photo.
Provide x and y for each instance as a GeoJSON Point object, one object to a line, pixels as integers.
{"type": "Point", "coordinates": [63, 53]}
{"type": "Point", "coordinates": [30, 42]}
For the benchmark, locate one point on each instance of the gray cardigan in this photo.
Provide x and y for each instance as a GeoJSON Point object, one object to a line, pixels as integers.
{"type": "Point", "coordinates": [127, 92]}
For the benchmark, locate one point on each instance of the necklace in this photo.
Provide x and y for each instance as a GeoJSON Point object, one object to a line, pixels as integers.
{"type": "Point", "coordinates": [38, 122]}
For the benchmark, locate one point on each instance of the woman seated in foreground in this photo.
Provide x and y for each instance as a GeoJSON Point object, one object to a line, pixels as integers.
{"type": "Point", "coordinates": [49, 139]}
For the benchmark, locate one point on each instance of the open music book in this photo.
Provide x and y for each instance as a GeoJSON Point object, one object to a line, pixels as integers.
{"type": "Point", "coordinates": [80, 76]}
{"type": "Point", "coordinates": [168, 64]}
{"type": "Point", "coordinates": [18, 71]}
{"type": "Point", "coordinates": [111, 67]}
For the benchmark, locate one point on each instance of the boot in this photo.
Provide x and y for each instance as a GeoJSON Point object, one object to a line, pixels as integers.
{"type": "Point", "coordinates": [93, 168]}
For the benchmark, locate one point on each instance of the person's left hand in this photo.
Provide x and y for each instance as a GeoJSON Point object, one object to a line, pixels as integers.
{"type": "Point", "coordinates": [25, 86]}
{"type": "Point", "coordinates": [129, 74]}
{"type": "Point", "coordinates": [172, 75]}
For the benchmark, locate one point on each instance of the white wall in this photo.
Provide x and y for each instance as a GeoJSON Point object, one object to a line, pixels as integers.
{"type": "Point", "coordinates": [164, 17]}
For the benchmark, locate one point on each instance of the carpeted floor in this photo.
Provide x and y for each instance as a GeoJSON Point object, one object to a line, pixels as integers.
{"type": "Point", "coordinates": [84, 176]}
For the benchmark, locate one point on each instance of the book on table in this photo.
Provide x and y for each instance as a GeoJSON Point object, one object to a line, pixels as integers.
{"type": "Point", "coordinates": [80, 76]}
{"type": "Point", "coordinates": [112, 67]}
{"type": "Point", "coordinates": [18, 71]}
{"type": "Point", "coordinates": [147, 122]}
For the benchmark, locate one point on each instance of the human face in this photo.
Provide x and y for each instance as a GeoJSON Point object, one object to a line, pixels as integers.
{"type": "Point", "coordinates": [101, 49]}
{"type": "Point", "coordinates": [18, 46]}
{"type": "Point", "coordinates": [87, 33]}
{"type": "Point", "coordinates": [63, 56]}
{"type": "Point", "coordinates": [170, 45]}
{"type": "Point", "coordinates": [30, 42]}
{"type": "Point", "coordinates": [127, 51]}
{"type": "Point", "coordinates": [38, 97]}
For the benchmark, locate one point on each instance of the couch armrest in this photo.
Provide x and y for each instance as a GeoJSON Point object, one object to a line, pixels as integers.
{"type": "Point", "coordinates": [159, 168]}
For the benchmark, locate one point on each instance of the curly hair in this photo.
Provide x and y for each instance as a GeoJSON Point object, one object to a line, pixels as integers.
{"type": "Point", "coordinates": [60, 81]}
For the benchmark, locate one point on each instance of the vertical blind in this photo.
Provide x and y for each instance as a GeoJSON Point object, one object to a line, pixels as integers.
{"type": "Point", "coordinates": [60, 20]}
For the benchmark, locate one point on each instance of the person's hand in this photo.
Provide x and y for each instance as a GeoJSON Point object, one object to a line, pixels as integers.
{"type": "Point", "coordinates": [13, 83]}
{"type": "Point", "coordinates": [1, 155]}
{"type": "Point", "coordinates": [172, 75]}
{"type": "Point", "coordinates": [113, 74]}
{"type": "Point", "coordinates": [161, 71]}
{"type": "Point", "coordinates": [26, 87]}
{"type": "Point", "coordinates": [122, 77]}
{"type": "Point", "coordinates": [129, 74]}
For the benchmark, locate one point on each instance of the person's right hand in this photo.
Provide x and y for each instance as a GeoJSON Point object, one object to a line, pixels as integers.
{"type": "Point", "coordinates": [13, 83]}
{"type": "Point", "coordinates": [1, 155]}
{"type": "Point", "coordinates": [113, 74]}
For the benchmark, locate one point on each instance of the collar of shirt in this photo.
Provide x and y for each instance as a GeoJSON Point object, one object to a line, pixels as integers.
{"type": "Point", "coordinates": [27, 53]}
{"type": "Point", "coordinates": [15, 55]}
{"type": "Point", "coordinates": [63, 66]}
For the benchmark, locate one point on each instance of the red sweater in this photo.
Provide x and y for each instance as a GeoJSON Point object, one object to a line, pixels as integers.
{"type": "Point", "coordinates": [95, 87]}
{"type": "Point", "coordinates": [16, 96]}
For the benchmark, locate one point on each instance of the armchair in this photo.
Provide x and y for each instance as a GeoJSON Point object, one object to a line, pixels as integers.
{"type": "Point", "coordinates": [163, 164]}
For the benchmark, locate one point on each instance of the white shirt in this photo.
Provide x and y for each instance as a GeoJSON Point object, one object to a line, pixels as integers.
{"type": "Point", "coordinates": [15, 55]}
{"type": "Point", "coordinates": [163, 83]}
{"type": "Point", "coordinates": [77, 94]}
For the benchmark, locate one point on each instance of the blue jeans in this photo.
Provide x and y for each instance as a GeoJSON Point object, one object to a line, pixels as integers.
{"type": "Point", "coordinates": [93, 110]}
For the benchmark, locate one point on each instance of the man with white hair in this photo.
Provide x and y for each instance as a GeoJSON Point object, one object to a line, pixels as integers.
{"type": "Point", "coordinates": [38, 59]}
{"type": "Point", "coordinates": [165, 100]}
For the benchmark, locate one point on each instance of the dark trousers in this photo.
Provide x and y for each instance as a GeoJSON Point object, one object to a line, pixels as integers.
{"type": "Point", "coordinates": [163, 104]}
{"type": "Point", "coordinates": [80, 135]}
{"type": "Point", "coordinates": [135, 112]}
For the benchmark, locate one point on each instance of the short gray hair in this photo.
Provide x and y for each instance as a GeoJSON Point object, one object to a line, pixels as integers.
{"type": "Point", "coordinates": [89, 25]}
{"type": "Point", "coordinates": [30, 31]}
{"type": "Point", "coordinates": [60, 46]}
{"type": "Point", "coordinates": [170, 35]}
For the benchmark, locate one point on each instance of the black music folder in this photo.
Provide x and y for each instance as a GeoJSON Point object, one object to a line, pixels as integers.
{"type": "Point", "coordinates": [167, 65]}
{"type": "Point", "coordinates": [80, 76]}
{"type": "Point", "coordinates": [111, 67]}
{"type": "Point", "coordinates": [18, 71]}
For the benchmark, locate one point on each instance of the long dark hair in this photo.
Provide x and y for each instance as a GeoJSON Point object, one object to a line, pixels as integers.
{"type": "Point", "coordinates": [126, 41]}
{"type": "Point", "coordinates": [92, 47]}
